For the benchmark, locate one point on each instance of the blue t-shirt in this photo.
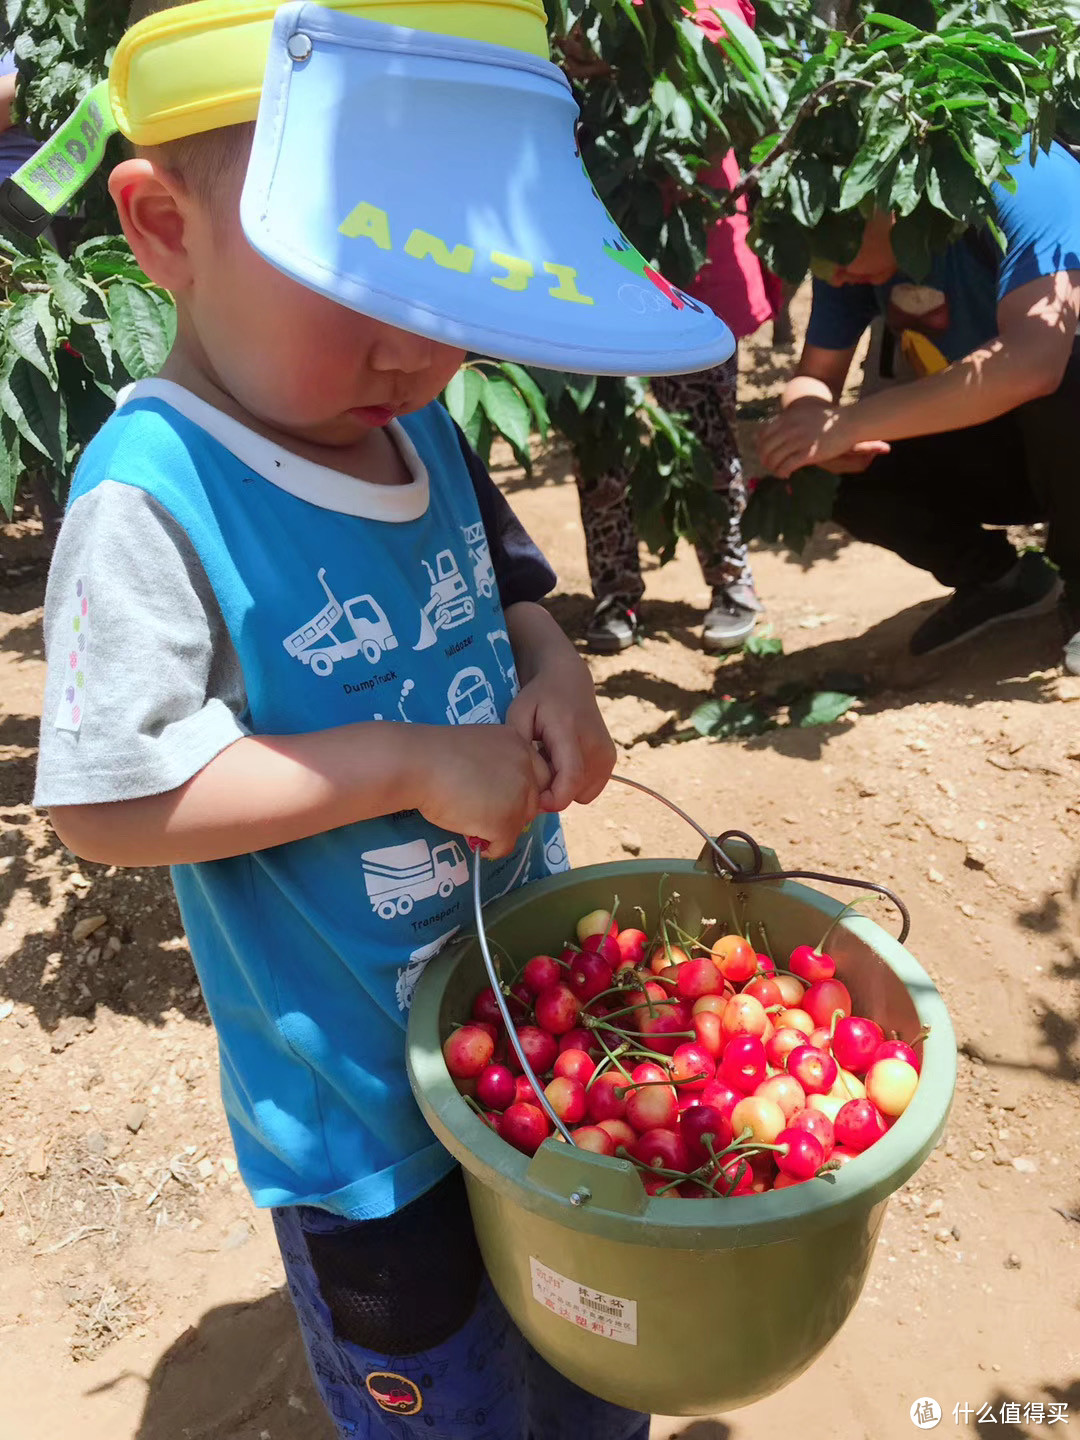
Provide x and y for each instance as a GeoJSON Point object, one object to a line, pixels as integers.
{"type": "Point", "coordinates": [954, 310]}
{"type": "Point", "coordinates": [369, 602]}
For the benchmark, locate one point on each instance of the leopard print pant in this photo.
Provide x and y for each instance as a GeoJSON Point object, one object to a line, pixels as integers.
{"type": "Point", "coordinates": [611, 542]}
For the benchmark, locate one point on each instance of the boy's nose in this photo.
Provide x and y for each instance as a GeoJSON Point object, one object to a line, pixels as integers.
{"type": "Point", "coordinates": [401, 351]}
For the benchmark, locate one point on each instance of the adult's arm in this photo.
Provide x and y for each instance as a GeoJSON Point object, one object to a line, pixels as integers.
{"type": "Point", "coordinates": [7, 100]}
{"type": "Point", "coordinates": [1027, 359]}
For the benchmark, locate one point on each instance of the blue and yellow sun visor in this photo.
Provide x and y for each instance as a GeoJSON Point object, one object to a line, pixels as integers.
{"type": "Point", "coordinates": [414, 161]}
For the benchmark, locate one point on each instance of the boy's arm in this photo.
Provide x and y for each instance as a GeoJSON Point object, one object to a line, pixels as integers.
{"type": "Point", "coordinates": [149, 762]}
{"type": "Point", "coordinates": [557, 708]}
{"type": "Point", "coordinates": [264, 791]}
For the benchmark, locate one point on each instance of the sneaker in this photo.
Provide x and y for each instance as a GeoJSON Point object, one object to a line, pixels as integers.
{"type": "Point", "coordinates": [1070, 614]}
{"type": "Point", "coordinates": [730, 619]}
{"type": "Point", "coordinates": [1031, 587]}
{"type": "Point", "coordinates": [613, 627]}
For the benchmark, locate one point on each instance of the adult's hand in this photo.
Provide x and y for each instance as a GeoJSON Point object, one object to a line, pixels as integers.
{"type": "Point", "coordinates": [811, 431]}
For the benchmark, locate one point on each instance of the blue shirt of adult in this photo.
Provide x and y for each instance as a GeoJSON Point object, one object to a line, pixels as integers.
{"type": "Point", "coordinates": [1040, 220]}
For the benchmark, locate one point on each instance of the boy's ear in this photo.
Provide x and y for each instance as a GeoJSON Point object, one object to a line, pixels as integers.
{"type": "Point", "coordinates": [153, 214]}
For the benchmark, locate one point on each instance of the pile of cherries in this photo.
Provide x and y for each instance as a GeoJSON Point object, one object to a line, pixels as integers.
{"type": "Point", "coordinates": [712, 1070]}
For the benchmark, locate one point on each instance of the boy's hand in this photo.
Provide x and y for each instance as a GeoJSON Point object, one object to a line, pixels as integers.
{"type": "Point", "coordinates": [557, 709]}
{"type": "Point", "coordinates": [482, 780]}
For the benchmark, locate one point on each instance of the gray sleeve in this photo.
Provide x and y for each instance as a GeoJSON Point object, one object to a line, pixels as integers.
{"type": "Point", "coordinates": [143, 685]}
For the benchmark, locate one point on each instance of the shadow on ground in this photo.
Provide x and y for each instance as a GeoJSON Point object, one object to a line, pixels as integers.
{"type": "Point", "coordinates": [239, 1374]}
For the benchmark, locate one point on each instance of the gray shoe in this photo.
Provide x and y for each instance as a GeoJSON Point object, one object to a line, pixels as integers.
{"type": "Point", "coordinates": [1031, 587]}
{"type": "Point", "coordinates": [1070, 614]}
{"type": "Point", "coordinates": [730, 619]}
{"type": "Point", "coordinates": [613, 627]}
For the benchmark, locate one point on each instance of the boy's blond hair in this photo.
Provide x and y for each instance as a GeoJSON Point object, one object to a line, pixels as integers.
{"type": "Point", "coordinates": [201, 162]}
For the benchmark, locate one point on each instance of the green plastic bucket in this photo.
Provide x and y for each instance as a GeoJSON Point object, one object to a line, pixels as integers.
{"type": "Point", "coordinates": [676, 1306]}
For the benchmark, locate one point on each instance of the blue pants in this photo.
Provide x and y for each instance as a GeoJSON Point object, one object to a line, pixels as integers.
{"type": "Point", "coordinates": [399, 1285]}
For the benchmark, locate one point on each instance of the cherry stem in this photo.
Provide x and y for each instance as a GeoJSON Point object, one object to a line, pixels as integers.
{"type": "Point", "coordinates": [631, 1010]}
{"type": "Point", "coordinates": [613, 1058]}
{"type": "Point", "coordinates": [622, 1091]}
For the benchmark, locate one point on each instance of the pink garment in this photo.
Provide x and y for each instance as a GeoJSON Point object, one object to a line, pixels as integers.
{"type": "Point", "coordinates": [732, 281]}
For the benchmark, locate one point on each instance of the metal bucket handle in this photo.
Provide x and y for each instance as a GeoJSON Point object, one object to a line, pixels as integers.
{"type": "Point", "coordinates": [726, 869]}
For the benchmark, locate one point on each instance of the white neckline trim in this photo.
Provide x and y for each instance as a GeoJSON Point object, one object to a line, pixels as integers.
{"type": "Point", "coordinates": [317, 484]}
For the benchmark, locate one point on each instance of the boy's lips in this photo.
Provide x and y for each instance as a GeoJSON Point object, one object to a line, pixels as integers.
{"type": "Point", "coordinates": [376, 415]}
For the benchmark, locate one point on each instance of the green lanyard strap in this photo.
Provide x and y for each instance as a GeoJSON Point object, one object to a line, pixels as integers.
{"type": "Point", "coordinates": [49, 180]}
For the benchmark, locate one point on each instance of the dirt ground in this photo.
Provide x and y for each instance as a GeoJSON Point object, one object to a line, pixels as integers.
{"type": "Point", "coordinates": [139, 1292]}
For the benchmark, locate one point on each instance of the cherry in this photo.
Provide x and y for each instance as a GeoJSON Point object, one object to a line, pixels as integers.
{"type": "Point", "coordinates": [605, 947]}
{"type": "Point", "coordinates": [809, 964]}
{"type": "Point", "coordinates": [855, 1041]}
{"type": "Point", "coordinates": [665, 1030]}
{"type": "Point", "coordinates": [539, 1047]}
{"type": "Point", "coordinates": [743, 1015]}
{"type": "Point", "coordinates": [652, 1107]}
{"type": "Point", "coordinates": [540, 972]}
{"type": "Point", "coordinates": [557, 1009]}
{"type": "Point", "coordinates": [574, 1065]}
{"type": "Point", "coordinates": [721, 1096]}
{"type": "Point", "coordinates": [596, 922]}
{"type": "Point", "coordinates": [734, 1176]}
{"type": "Point", "coordinates": [592, 1137]}
{"type": "Point", "coordinates": [692, 1066]}
{"type": "Point", "coordinates": [743, 1063]}
{"type": "Point", "coordinates": [815, 1071]}
{"type": "Point", "coordinates": [567, 1098]}
{"type": "Point", "coordinates": [621, 1132]}
{"type": "Point", "coordinates": [762, 1117]}
{"type": "Point", "coordinates": [663, 957]}
{"type": "Point", "coordinates": [467, 1051]}
{"type": "Point", "coordinates": [786, 1091]}
{"type": "Point", "coordinates": [820, 1038]}
{"type": "Point", "coordinates": [526, 1127]}
{"type": "Point", "coordinates": [764, 990]}
{"type": "Point", "coordinates": [735, 958]}
{"type": "Point", "coordinates": [699, 1121]}
{"type": "Point", "coordinates": [780, 1044]}
{"type": "Point", "coordinates": [590, 975]}
{"type": "Point", "coordinates": [605, 1099]}
{"type": "Point", "coordinates": [793, 1018]}
{"type": "Point", "coordinates": [890, 1085]}
{"type": "Point", "coordinates": [897, 1050]}
{"type": "Point", "coordinates": [579, 1039]}
{"type": "Point", "coordinates": [698, 977]}
{"type": "Point", "coordinates": [632, 945]}
{"type": "Point", "coordinates": [662, 1149]}
{"type": "Point", "coordinates": [791, 989]}
{"type": "Point", "coordinates": [824, 998]}
{"type": "Point", "coordinates": [709, 1033]}
{"type": "Point", "coordinates": [486, 1008]}
{"type": "Point", "coordinates": [818, 1124]}
{"type": "Point", "coordinates": [765, 964]}
{"type": "Point", "coordinates": [802, 1155]}
{"type": "Point", "coordinates": [858, 1124]}
{"type": "Point", "coordinates": [710, 1005]}
{"type": "Point", "coordinates": [524, 1094]}
{"type": "Point", "coordinates": [495, 1087]}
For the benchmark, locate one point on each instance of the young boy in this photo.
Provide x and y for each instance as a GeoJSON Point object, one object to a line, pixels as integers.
{"type": "Point", "coordinates": [287, 623]}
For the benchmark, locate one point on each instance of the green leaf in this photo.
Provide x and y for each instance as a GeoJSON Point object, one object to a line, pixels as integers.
{"type": "Point", "coordinates": [11, 469]}
{"type": "Point", "coordinates": [507, 411]}
{"type": "Point", "coordinates": [462, 395]}
{"type": "Point", "coordinates": [728, 718]}
{"type": "Point", "coordinates": [30, 329]}
{"type": "Point", "coordinates": [764, 644]}
{"type": "Point", "coordinates": [821, 707]}
{"type": "Point", "coordinates": [788, 511]}
{"type": "Point", "coordinates": [534, 396]}
{"type": "Point", "coordinates": [140, 329]}
{"type": "Point", "coordinates": [36, 407]}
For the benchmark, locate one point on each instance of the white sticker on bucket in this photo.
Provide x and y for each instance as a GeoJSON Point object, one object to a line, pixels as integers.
{"type": "Point", "coordinates": [600, 1314]}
